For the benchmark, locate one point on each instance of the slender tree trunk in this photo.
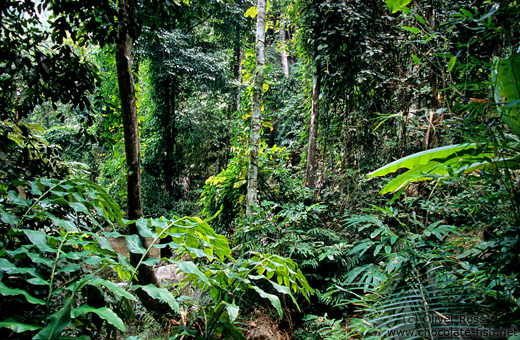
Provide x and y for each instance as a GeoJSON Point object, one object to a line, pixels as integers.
{"type": "Point", "coordinates": [132, 147]}
{"type": "Point", "coordinates": [252, 183]}
{"type": "Point", "coordinates": [432, 134]}
{"type": "Point", "coordinates": [283, 46]}
{"type": "Point", "coordinates": [169, 137]}
{"type": "Point", "coordinates": [310, 173]}
{"type": "Point", "coordinates": [237, 74]}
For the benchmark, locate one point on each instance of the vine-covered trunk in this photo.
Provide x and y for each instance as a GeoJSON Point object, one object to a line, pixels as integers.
{"type": "Point", "coordinates": [132, 146]}
{"type": "Point", "coordinates": [283, 46]}
{"type": "Point", "coordinates": [237, 75]}
{"type": "Point", "coordinates": [254, 140]}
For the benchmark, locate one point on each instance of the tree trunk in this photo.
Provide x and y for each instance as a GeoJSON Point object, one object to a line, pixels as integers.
{"type": "Point", "coordinates": [252, 183]}
{"type": "Point", "coordinates": [283, 46]}
{"type": "Point", "coordinates": [169, 137]}
{"type": "Point", "coordinates": [132, 147]}
{"type": "Point", "coordinates": [237, 75]}
{"type": "Point", "coordinates": [432, 134]}
{"type": "Point", "coordinates": [310, 173]}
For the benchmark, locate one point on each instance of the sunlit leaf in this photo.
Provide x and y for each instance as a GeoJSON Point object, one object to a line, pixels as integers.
{"type": "Point", "coordinates": [251, 12]}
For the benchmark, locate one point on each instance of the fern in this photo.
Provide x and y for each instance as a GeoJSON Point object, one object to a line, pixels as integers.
{"type": "Point", "coordinates": [419, 306]}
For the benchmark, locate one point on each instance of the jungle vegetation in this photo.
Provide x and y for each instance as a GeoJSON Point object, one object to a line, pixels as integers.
{"type": "Point", "coordinates": [311, 169]}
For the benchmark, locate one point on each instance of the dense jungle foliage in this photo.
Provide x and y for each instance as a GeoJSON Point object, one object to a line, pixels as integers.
{"type": "Point", "coordinates": [309, 169]}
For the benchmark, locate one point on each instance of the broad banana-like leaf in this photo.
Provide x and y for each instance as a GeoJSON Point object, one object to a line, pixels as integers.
{"type": "Point", "coordinates": [419, 173]}
{"type": "Point", "coordinates": [437, 163]}
{"type": "Point", "coordinates": [440, 155]}
{"type": "Point", "coordinates": [508, 91]}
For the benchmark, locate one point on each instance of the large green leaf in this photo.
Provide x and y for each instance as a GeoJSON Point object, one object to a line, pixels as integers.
{"type": "Point", "coordinates": [161, 294]}
{"type": "Point", "coordinates": [439, 154]}
{"type": "Point", "coordinates": [8, 218]}
{"type": "Point", "coordinates": [112, 287]}
{"type": "Point", "coordinates": [419, 173]}
{"type": "Point", "coordinates": [508, 91]}
{"type": "Point", "coordinates": [232, 310]}
{"type": "Point", "coordinates": [134, 244]}
{"type": "Point", "coordinates": [16, 326]}
{"type": "Point", "coordinates": [145, 228]}
{"type": "Point", "coordinates": [275, 301]}
{"type": "Point", "coordinates": [57, 322]}
{"type": "Point", "coordinates": [189, 267]}
{"type": "Point", "coordinates": [436, 163]}
{"type": "Point", "coordinates": [39, 238]}
{"type": "Point", "coordinates": [6, 291]}
{"type": "Point", "coordinates": [104, 313]}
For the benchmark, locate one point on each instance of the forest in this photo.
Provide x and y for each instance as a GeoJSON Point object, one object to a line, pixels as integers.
{"type": "Point", "coordinates": [302, 169]}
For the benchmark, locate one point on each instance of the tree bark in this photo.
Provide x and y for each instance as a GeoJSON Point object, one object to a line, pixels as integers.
{"type": "Point", "coordinates": [132, 147]}
{"type": "Point", "coordinates": [283, 46]}
{"type": "Point", "coordinates": [310, 173]}
{"type": "Point", "coordinates": [254, 140]}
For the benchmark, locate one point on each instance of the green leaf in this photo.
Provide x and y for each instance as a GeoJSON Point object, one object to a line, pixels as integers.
{"type": "Point", "coordinates": [419, 173]}
{"type": "Point", "coordinates": [16, 326]}
{"type": "Point", "coordinates": [420, 19]}
{"type": "Point", "coordinates": [6, 291]}
{"type": "Point", "coordinates": [440, 154]}
{"type": "Point", "coordinates": [37, 258]}
{"type": "Point", "coordinates": [378, 249]}
{"type": "Point", "coordinates": [65, 224]}
{"type": "Point", "coordinates": [416, 59]}
{"type": "Point", "coordinates": [232, 310]}
{"type": "Point", "coordinates": [161, 294]}
{"type": "Point", "coordinates": [189, 267]}
{"type": "Point", "coordinates": [398, 5]}
{"type": "Point", "coordinates": [145, 228]}
{"type": "Point", "coordinates": [8, 218]}
{"type": "Point", "coordinates": [251, 12]}
{"type": "Point", "coordinates": [360, 249]}
{"type": "Point", "coordinates": [112, 287]}
{"type": "Point", "coordinates": [134, 244]}
{"type": "Point", "coordinates": [151, 261]}
{"type": "Point", "coordinates": [79, 207]}
{"type": "Point", "coordinates": [508, 91]}
{"type": "Point", "coordinates": [38, 238]}
{"type": "Point", "coordinates": [452, 62]}
{"type": "Point", "coordinates": [275, 301]}
{"type": "Point", "coordinates": [57, 322]}
{"type": "Point", "coordinates": [285, 290]}
{"type": "Point", "coordinates": [467, 13]}
{"type": "Point", "coordinates": [104, 243]}
{"type": "Point", "coordinates": [5, 265]}
{"type": "Point", "coordinates": [17, 200]}
{"type": "Point", "coordinates": [104, 313]}
{"type": "Point", "coordinates": [414, 30]}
